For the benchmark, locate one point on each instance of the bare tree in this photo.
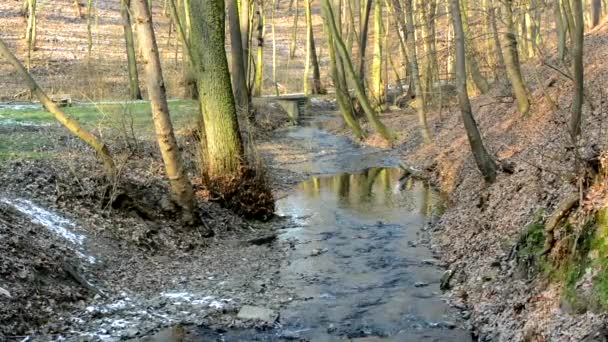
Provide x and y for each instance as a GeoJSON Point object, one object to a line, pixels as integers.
{"type": "Point", "coordinates": [180, 184]}
{"type": "Point", "coordinates": [484, 161]}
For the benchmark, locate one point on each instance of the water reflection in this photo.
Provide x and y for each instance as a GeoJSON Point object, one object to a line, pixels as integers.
{"type": "Point", "coordinates": [359, 266]}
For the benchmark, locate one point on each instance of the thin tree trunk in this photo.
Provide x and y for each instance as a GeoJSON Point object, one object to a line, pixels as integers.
{"type": "Point", "coordinates": [342, 95]}
{"type": "Point", "coordinates": [245, 6]}
{"type": "Point", "coordinates": [364, 23]}
{"type": "Point", "coordinates": [225, 154]}
{"type": "Point", "coordinates": [473, 67]}
{"type": "Point", "coordinates": [89, 29]}
{"type": "Point", "coordinates": [134, 91]}
{"type": "Point", "coordinates": [484, 161]}
{"type": "Point", "coordinates": [259, 72]}
{"type": "Point", "coordinates": [577, 68]}
{"type": "Point", "coordinates": [180, 184]}
{"type": "Point", "coordinates": [415, 75]}
{"type": "Point", "coordinates": [294, 31]}
{"type": "Point", "coordinates": [377, 82]}
{"type": "Point", "coordinates": [500, 60]}
{"type": "Point", "coordinates": [596, 12]}
{"type": "Point", "coordinates": [372, 116]}
{"type": "Point", "coordinates": [30, 33]}
{"type": "Point", "coordinates": [68, 122]}
{"type": "Point", "coordinates": [239, 78]}
{"type": "Point", "coordinates": [274, 50]}
{"type": "Point", "coordinates": [561, 29]}
{"type": "Point", "coordinates": [512, 63]}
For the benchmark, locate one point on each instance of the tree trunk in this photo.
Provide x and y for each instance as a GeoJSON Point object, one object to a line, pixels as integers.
{"type": "Point", "coordinates": [377, 82]}
{"type": "Point", "coordinates": [245, 6]}
{"type": "Point", "coordinates": [415, 73]}
{"type": "Point", "coordinates": [512, 63]}
{"type": "Point", "coordinates": [561, 30]}
{"type": "Point", "coordinates": [239, 77]}
{"type": "Point", "coordinates": [68, 122]}
{"type": "Point", "coordinates": [294, 32]}
{"type": "Point", "coordinates": [259, 71]}
{"type": "Point", "coordinates": [372, 116]}
{"type": "Point", "coordinates": [30, 33]}
{"type": "Point", "coordinates": [274, 49]}
{"type": "Point", "coordinates": [596, 12]}
{"type": "Point", "coordinates": [178, 179]}
{"type": "Point", "coordinates": [577, 68]}
{"type": "Point", "coordinates": [500, 61]}
{"type": "Point", "coordinates": [480, 82]}
{"type": "Point", "coordinates": [484, 161]}
{"type": "Point", "coordinates": [342, 94]}
{"type": "Point", "coordinates": [225, 154]}
{"type": "Point", "coordinates": [364, 23]}
{"type": "Point", "coordinates": [134, 91]}
{"type": "Point", "coordinates": [311, 56]}
{"type": "Point", "coordinates": [89, 29]}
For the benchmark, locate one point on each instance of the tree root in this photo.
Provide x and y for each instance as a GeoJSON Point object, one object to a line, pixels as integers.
{"type": "Point", "coordinates": [561, 212]}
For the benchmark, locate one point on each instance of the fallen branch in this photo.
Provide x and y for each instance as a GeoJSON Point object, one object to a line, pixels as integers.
{"type": "Point", "coordinates": [562, 211]}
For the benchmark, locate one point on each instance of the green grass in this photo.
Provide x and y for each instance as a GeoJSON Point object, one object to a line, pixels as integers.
{"type": "Point", "coordinates": [107, 119]}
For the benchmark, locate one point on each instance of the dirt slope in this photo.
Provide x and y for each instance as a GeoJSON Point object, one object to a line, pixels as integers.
{"type": "Point", "coordinates": [478, 233]}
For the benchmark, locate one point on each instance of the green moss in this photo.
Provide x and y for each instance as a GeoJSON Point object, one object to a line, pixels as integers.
{"type": "Point", "coordinates": [532, 240]}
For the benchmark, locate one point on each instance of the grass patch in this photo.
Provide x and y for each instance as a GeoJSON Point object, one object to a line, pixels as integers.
{"type": "Point", "coordinates": [24, 135]}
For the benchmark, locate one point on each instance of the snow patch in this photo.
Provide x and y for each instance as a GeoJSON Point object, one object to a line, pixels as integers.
{"type": "Point", "coordinates": [189, 298]}
{"type": "Point", "coordinates": [55, 223]}
{"type": "Point", "coordinates": [52, 221]}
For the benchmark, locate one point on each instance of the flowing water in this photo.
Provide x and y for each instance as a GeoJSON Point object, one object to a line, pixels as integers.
{"type": "Point", "coordinates": [360, 264]}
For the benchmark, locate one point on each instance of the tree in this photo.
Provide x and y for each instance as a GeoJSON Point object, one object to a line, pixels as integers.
{"type": "Point", "coordinates": [577, 68]}
{"type": "Point", "coordinates": [342, 95]}
{"type": "Point", "coordinates": [237, 58]}
{"type": "Point", "coordinates": [409, 30]}
{"type": "Point", "coordinates": [372, 116]}
{"type": "Point", "coordinates": [484, 161]}
{"type": "Point", "coordinates": [259, 70]}
{"type": "Point", "coordinates": [377, 81]}
{"type": "Point", "coordinates": [222, 142]}
{"type": "Point", "coordinates": [178, 179]}
{"type": "Point", "coordinates": [366, 6]}
{"type": "Point", "coordinates": [68, 122]}
{"type": "Point", "coordinates": [311, 56]}
{"type": "Point", "coordinates": [596, 12]}
{"type": "Point", "coordinates": [512, 62]}
{"type": "Point", "coordinates": [31, 31]}
{"type": "Point", "coordinates": [134, 91]}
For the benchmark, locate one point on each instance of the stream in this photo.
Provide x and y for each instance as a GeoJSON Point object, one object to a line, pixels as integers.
{"type": "Point", "coordinates": [360, 264]}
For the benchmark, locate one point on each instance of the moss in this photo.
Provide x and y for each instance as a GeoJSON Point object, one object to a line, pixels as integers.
{"type": "Point", "coordinates": [532, 240]}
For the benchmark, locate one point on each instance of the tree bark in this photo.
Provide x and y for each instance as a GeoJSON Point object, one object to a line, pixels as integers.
{"type": "Point", "coordinates": [259, 70]}
{"type": "Point", "coordinates": [377, 82]}
{"type": "Point", "coordinates": [225, 153]}
{"type": "Point", "coordinates": [372, 116]}
{"type": "Point", "coordinates": [577, 68]}
{"type": "Point", "coordinates": [596, 12]}
{"type": "Point", "coordinates": [134, 91]}
{"type": "Point", "coordinates": [366, 6]}
{"type": "Point", "coordinates": [512, 62]}
{"type": "Point", "coordinates": [342, 94]}
{"type": "Point", "coordinates": [484, 161]}
{"type": "Point", "coordinates": [237, 59]}
{"type": "Point", "coordinates": [178, 179]}
{"type": "Point", "coordinates": [415, 71]}
{"type": "Point", "coordinates": [67, 121]}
